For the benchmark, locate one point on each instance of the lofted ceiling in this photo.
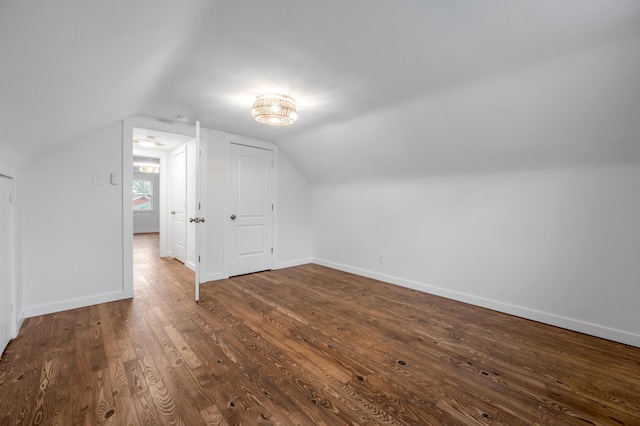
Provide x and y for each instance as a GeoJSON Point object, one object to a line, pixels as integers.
{"type": "Point", "coordinates": [410, 87]}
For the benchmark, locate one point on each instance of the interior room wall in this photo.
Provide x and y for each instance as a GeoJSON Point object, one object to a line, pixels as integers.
{"type": "Point", "coordinates": [293, 212]}
{"type": "Point", "coordinates": [214, 187]}
{"type": "Point", "coordinates": [75, 251]}
{"type": "Point", "coordinates": [559, 247]}
{"type": "Point", "coordinates": [148, 221]}
{"type": "Point", "coordinates": [73, 243]}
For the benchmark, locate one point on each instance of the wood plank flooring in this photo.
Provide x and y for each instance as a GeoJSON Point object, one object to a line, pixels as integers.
{"type": "Point", "coordinates": [305, 345]}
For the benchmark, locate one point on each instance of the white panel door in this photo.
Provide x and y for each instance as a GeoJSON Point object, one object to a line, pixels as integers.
{"type": "Point", "coordinates": [179, 202]}
{"type": "Point", "coordinates": [5, 263]}
{"type": "Point", "coordinates": [250, 219]}
{"type": "Point", "coordinates": [192, 205]}
{"type": "Point", "coordinates": [199, 220]}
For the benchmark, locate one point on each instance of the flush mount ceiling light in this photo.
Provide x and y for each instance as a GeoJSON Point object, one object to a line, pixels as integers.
{"type": "Point", "coordinates": [149, 169]}
{"type": "Point", "coordinates": [148, 142]}
{"type": "Point", "coordinates": [275, 110]}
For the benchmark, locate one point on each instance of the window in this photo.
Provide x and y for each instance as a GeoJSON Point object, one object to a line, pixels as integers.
{"type": "Point", "coordinates": [142, 195]}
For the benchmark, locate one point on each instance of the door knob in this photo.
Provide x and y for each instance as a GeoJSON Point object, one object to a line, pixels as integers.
{"type": "Point", "coordinates": [193, 219]}
{"type": "Point", "coordinates": [233, 217]}
{"type": "Point", "coordinates": [173, 212]}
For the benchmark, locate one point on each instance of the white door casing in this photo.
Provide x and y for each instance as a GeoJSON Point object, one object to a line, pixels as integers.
{"type": "Point", "coordinates": [129, 125]}
{"type": "Point", "coordinates": [179, 203]}
{"type": "Point", "coordinates": [250, 209]}
{"type": "Point", "coordinates": [6, 314]}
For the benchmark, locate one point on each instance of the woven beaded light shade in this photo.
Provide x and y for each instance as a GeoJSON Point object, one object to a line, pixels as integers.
{"type": "Point", "coordinates": [275, 110]}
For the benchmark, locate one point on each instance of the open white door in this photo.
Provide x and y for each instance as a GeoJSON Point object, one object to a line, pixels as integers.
{"type": "Point", "coordinates": [250, 208]}
{"type": "Point", "coordinates": [198, 219]}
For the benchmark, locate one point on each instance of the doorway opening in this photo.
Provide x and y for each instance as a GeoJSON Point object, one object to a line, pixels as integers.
{"type": "Point", "coordinates": [156, 208]}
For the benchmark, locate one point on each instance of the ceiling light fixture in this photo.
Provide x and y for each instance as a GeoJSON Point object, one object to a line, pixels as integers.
{"type": "Point", "coordinates": [148, 142]}
{"type": "Point", "coordinates": [149, 169]}
{"type": "Point", "coordinates": [275, 110]}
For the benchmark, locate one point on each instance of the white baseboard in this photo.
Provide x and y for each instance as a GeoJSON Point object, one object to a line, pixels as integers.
{"type": "Point", "coordinates": [520, 311]}
{"type": "Point", "coordinates": [65, 305]}
{"type": "Point", "coordinates": [19, 322]}
{"type": "Point", "coordinates": [291, 263]}
{"type": "Point", "coordinates": [190, 265]}
{"type": "Point", "coordinates": [146, 231]}
{"type": "Point", "coordinates": [215, 277]}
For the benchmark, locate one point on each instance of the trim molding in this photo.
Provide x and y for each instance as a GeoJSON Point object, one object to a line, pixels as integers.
{"type": "Point", "coordinates": [215, 276]}
{"type": "Point", "coordinates": [32, 311]}
{"type": "Point", "coordinates": [146, 231]}
{"type": "Point", "coordinates": [519, 311]}
{"type": "Point", "coordinates": [291, 263]}
{"type": "Point", "coordinates": [19, 322]}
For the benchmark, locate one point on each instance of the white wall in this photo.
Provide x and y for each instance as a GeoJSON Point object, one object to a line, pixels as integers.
{"type": "Point", "coordinates": [560, 247]}
{"type": "Point", "coordinates": [73, 249]}
{"type": "Point", "coordinates": [148, 221]}
{"type": "Point", "coordinates": [293, 214]}
{"type": "Point", "coordinates": [213, 187]}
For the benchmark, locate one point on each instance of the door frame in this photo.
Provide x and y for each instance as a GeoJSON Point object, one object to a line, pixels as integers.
{"type": "Point", "coordinates": [12, 256]}
{"type": "Point", "coordinates": [128, 124]}
{"type": "Point", "coordinates": [254, 143]}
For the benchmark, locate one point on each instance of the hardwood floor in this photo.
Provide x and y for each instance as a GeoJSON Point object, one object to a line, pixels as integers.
{"type": "Point", "coordinates": [305, 345]}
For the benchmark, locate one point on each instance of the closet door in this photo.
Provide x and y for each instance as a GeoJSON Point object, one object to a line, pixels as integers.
{"type": "Point", "coordinates": [250, 204]}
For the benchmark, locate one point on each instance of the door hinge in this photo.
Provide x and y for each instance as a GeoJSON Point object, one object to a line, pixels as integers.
{"type": "Point", "coordinates": [271, 207]}
{"type": "Point", "coordinates": [200, 152]}
{"type": "Point", "coordinates": [198, 259]}
{"type": "Point", "coordinates": [271, 250]}
{"type": "Point", "coordinates": [10, 199]}
{"type": "Point", "coordinates": [12, 307]}
{"type": "Point", "coordinates": [199, 206]}
{"type": "Point", "coordinates": [273, 164]}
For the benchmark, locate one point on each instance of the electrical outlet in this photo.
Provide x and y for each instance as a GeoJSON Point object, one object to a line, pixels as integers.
{"type": "Point", "coordinates": [381, 258]}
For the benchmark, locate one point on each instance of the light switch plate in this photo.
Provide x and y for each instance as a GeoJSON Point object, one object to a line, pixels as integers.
{"type": "Point", "coordinates": [114, 178]}
{"type": "Point", "coordinates": [97, 179]}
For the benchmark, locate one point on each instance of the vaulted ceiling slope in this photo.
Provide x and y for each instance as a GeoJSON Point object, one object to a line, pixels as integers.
{"type": "Point", "coordinates": [408, 87]}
